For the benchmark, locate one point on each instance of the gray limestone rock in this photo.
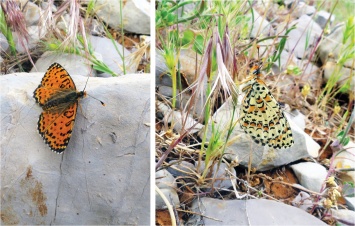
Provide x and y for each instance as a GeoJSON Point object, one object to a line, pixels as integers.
{"type": "Point", "coordinates": [263, 158]}
{"type": "Point", "coordinates": [310, 175]}
{"type": "Point", "coordinates": [248, 212]}
{"type": "Point", "coordinates": [136, 15]}
{"type": "Point", "coordinates": [103, 175]}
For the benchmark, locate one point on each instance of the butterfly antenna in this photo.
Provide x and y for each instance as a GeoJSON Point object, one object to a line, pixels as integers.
{"type": "Point", "coordinates": [86, 83]}
{"type": "Point", "coordinates": [102, 103]}
{"type": "Point", "coordinates": [91, 68]}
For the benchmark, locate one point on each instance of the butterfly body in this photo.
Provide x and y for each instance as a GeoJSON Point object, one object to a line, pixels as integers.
{"type": "Point", "coordinates": [262, 117]}
{"type": "Point", "coordinates": [58, 97]}
{"type": "Point", "coordinates": [61, 100]}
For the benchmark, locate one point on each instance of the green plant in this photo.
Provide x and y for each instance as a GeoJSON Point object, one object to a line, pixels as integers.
{"type": "Point", "coordinates": [6, 31]}
{"type": "Point", "coordinates": [346, 54]}
{"type": "Point", "coordinates": [74, 39]}
{"type": "Point", "coordinates": [178, 35]}
{"type": "Point", "coordinates": [122, 33]}
{"type": "Point", "coordinates": [83, 49]}
{"type": "Point", "coordinates": [276, 57]}
{"type": "Point", "coordinates": [342, 137]}
{"type": "Point", "coordinates": [167, 13]}
{"type": "Point", "coordinates": [216, 66]}
{"type": "Point", "coordinates": [222, 83]}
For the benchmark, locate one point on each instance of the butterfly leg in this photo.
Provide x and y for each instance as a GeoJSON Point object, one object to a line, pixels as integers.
{"type": "Point", "coordinates": [82, 112]}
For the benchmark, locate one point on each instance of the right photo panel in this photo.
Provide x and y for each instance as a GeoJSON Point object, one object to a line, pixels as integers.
{"type": "Point", "coordinates": [254, 120]}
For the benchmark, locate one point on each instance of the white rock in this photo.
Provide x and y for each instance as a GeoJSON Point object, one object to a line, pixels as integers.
{"type": "Point", "coordinates": [303, 201]}
{"type": "Point", "coordinates": [32, 14]}
{"type": "Point", "coordinates": [111, 57]}
{"type": "Point", "coordinates": [63, 22]}
{"type": "Point", "coordinates": [345, 159]}
{"type": "Point", "coordinates": [332, 43]}
{"type": "Point", "coordinates": [322, 18]}
{"type": "Point", "coordinates": [164, 82]}
{"type": "Point", "coordinates": [136, 15]}
{"type": "Point", "coordinates": [344, 216]}
{"type": "Point", "coordinates": [170, 194]}
{"type": "Point", "coordinates": [167, 185]}
{"type": "Point", "coordinates": [329, 51]}
{"type": "Point", "coordinates": [288, 3]}
{"type": "Point", "coordinates": [180, 122]}
{"type": "Point", "coordinates": [260, 26]}
{"type": "Point", "coordinates": [299, 119]}
{"type": "Point", "coordinates": [297, 39]}
{"type": "Point", "coordinates": [350, 202]}
{"type": "Point", "coordinates": [103, 49]}
{"type": "Point", "coordinates": [4, 45]}
{"type": "Point", "coordinates": [248, 212]}
{"type": "Point", "coordinates": [74, 64]}
{"type": "Point", "coordinates": [218, 175]}
{"type": "Point", "coordinates": [188, 63]}
{"type": "Point", "coordinates": [163, 179]}
{"type": "Point", "coordinates": [286, 59]}
{"type": "Point", "coordinates": [98, 179]}
{"type": "Point", "coordinates": [311, 73]}
{"type": "Point", "coordinates": [263, 158]}
{"type": "Point", "coordinates": [331, 70]}
{"type": "Point", "coordinates": [35, 33]}
{"type": "Point", "coordinates": [310, 175]}
{"type": "Point", "coordinates": [96, 28]}
{"type": "Point", "coordinates": [303, 9]}
{"type": "Point", "coordinates": [45, 5]}
{"type": "Point", "coordinates": [181, 168]}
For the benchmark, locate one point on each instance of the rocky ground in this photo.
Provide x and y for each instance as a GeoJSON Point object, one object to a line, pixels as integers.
{"type": "Point", "coordinates": [307, 183]}
{"type": "Point", "coordinates": [98, 179]}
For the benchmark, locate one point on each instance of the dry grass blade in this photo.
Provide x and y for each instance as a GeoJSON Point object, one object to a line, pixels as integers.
{"type": "Point", "coordinates": [46, 19]}
{"type": "Point", "coordinates": [142, 53]}
{"type": "Point", "coordinates": [170, 208]}
{"type": "Point", "coordinates": [198, 88]}
{"type": "Point", "coordinates": [72, 27]}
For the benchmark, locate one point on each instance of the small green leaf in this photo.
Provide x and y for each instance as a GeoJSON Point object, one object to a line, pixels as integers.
{"type": "Point", "coordinates": [198, 44]}
{"type": "Point", "coordinates": [188, 38]}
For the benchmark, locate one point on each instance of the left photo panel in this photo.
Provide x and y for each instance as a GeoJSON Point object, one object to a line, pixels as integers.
{"type": "Point", "coordinates": [75, 112]}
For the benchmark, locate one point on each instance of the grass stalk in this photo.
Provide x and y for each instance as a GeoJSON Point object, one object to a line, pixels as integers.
{"type": "Point", "coordinates": [122, 33]}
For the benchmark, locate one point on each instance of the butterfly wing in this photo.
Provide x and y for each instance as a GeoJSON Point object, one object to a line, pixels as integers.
{"type": "Point", "coordinates": [285, 139]}
{"type": "Point", "coordinates": [56, 127]}
{"type": "Point", "coordinates": [54, 81]}
{"type": "Point", "coordinates": [263, 119]}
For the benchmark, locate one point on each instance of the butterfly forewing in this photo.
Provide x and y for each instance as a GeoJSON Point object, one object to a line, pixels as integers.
{"type": "Point", "coordinates": [55, 80]}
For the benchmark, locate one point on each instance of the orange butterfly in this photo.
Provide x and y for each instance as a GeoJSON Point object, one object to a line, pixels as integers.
{"type": "Point", "coordinates": [58, 97]}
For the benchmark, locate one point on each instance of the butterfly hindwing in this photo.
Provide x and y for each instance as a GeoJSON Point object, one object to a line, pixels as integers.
{"type": "Point", "coordinates": [56, 128]}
